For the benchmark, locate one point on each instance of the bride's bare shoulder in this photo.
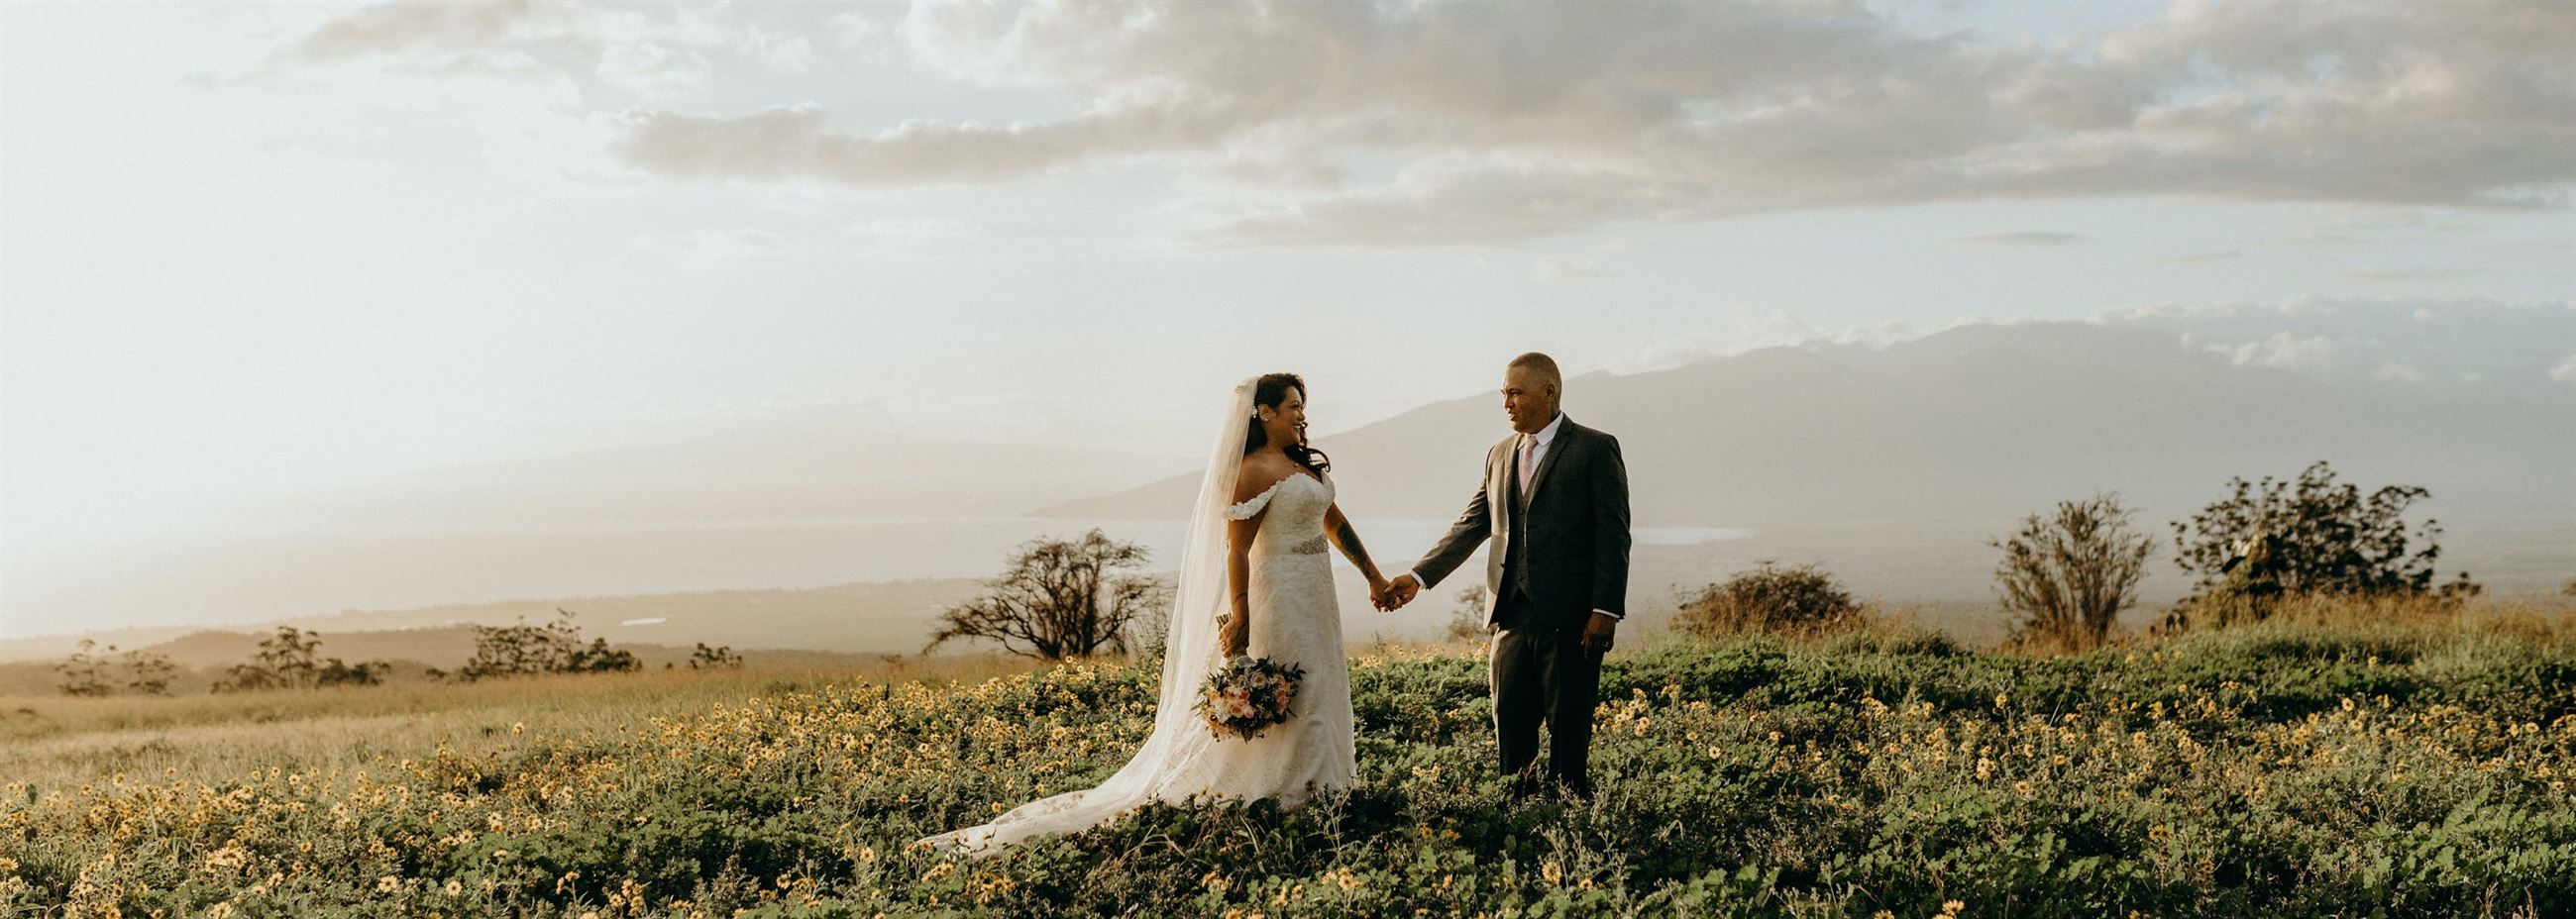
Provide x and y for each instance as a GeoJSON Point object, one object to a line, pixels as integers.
{"type": "Point", "coordinates": [1259, 474]}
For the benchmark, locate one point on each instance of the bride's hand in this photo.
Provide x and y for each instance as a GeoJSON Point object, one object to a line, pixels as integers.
{"type": "Point", "coordinates": [1234, 636]}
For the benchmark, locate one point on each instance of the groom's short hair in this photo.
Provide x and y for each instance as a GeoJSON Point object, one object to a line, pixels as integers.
{"type": "Point", "coordinates": [1541, 364]}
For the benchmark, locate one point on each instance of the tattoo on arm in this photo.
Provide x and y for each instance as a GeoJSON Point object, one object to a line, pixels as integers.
{"type": "Point", "coordinates": [1351, 547]}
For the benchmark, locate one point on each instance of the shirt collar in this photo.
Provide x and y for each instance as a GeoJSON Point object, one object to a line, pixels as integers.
{"type": "Point", "coordinates": [1547, 434]}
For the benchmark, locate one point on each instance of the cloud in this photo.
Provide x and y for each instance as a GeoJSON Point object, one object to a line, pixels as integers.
{"type": "Point", "coordinates": [2565, 372]}
{"type": "Point", "coordinates": [2189, 258]}
{"type": "Point", "coordinates": [2379, 225]}
{"type": "Point", "coordinates": [2018, 238]}
{"type": "Point", "coordinates": [2407, 339]}
{"type": "Point", "coordinates": [1507, 122]}
{"type": "Point", "coordinates": [435, 28]}
{"type": "Point", "coordinates": [1516, 121]}
{"type": "Point", "coordinates": [799, 143]}
{"type": "Point", "coordinates": [2281, 349]}
{"type": "Point", "coordinates": [2411, 274]}
{"type": "Point", "coordinates": [652, 53]}
{"type": "Point", "coordinates": [653, 70]}
{"type": "Point", "coordinates": [1562, 267]}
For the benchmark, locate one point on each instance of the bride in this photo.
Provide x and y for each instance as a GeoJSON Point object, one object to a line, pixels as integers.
{"type": "Point", "coordinates": [1254, 579]}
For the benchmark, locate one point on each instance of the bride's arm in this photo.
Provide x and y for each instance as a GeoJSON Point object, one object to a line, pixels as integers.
{"type": "Point", "coordinates": [1345, 536]}
{"type": "Point", "coordinates": [1235, 636]}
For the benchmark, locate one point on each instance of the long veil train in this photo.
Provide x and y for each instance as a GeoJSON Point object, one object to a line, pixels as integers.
{"type": "Point", "coordinates": [1166, 767]}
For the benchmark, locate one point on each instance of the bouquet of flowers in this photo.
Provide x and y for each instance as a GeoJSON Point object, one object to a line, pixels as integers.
{"type": "Point", "coordinates": [1246, 695]}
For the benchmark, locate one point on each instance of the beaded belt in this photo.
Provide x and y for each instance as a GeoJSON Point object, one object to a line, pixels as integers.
{"type": "Point", "coordinates": [1309, 547]}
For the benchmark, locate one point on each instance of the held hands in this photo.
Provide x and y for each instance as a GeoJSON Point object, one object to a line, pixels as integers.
{"type": "Point", "coordinates": [1393, 595]}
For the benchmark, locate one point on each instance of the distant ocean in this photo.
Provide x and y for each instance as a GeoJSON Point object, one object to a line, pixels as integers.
{"type": "Point", "coordinates": [188, 579]}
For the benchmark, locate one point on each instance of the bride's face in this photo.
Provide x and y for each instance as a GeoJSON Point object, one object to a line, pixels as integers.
{"type": "Point", "coordinates": [1287, 423]}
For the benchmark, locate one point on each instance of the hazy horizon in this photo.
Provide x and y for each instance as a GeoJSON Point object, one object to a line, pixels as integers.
{"type": "Point", "coordinates": [262, 254]}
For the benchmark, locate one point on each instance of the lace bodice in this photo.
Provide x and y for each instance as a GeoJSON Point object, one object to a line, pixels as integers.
{"type": "Point", "coordinates": [1295, 522]}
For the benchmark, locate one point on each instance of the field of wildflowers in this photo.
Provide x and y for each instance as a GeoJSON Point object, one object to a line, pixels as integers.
{"type": "Point", "coordinates": [2279, 770]}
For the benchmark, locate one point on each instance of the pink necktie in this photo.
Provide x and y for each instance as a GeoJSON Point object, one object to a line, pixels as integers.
{"type": "Point", "coordinates": [1529, 462]}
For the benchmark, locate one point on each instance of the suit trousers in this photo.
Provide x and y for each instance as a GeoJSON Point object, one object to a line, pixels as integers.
{"type": "Point", "coordinates": [1542, 674]}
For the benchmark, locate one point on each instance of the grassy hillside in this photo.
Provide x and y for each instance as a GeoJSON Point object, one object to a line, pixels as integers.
{"type": "Point", "coordinates": [2284, 769]}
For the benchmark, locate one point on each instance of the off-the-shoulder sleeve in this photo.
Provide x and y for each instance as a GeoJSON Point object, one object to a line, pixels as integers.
{"type": "Point", "coordinates": [1254, 504]}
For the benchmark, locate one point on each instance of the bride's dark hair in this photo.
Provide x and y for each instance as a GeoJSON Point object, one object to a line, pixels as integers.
{"type": "Point", "coordinates": [1271, 390]}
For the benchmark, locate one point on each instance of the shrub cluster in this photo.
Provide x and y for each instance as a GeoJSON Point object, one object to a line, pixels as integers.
{"type": "Point", "coordinates": [555, 647]}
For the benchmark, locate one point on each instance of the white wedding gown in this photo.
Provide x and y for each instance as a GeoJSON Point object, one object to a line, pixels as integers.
{"type": "Point", "coordinates": [1295, 619]}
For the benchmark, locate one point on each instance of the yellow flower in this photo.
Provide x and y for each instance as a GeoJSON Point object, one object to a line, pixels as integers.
{"type": "Point", "coordinates": [388, 884]}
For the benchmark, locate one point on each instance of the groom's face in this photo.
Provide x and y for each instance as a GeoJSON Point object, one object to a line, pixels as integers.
{"type": "Point", "coordinates": [1529, 398]}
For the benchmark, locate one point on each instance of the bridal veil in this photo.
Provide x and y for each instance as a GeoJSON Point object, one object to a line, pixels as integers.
{"type": "Point", "coordinates": [1166, 767]}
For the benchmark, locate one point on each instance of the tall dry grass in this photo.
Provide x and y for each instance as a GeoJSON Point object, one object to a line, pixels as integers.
{"type": "Point", "coordinates": [52, 740]}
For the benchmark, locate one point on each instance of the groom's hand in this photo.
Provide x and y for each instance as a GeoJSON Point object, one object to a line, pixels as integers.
{"type": "Point", "coordinates": [1399, 592]}
{"type": "Point", "coordinates": [1597, 632]}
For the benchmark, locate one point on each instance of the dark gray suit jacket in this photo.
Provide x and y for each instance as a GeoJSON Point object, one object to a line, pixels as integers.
{"type": "Point", "coordinates": [1577, 528]}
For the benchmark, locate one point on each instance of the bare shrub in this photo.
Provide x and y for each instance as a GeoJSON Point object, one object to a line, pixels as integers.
{"type": "Point", "coordinates": [1060, 598]}
{"type": "Point", "coordinates": [2064, 579]}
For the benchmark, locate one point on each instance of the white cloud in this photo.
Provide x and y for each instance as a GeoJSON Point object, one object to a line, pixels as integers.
{"type": "Point", "coordinates": [783, 52]}
{"type": "Point", "coordinates": [1562, 267]}
{"type": "Point", "coordinates": [2281, 349]}
{"type": "Point", "coordinates": [2405, 339]}
{"type": "Point", "coordinates": [2019, 238]}
{"type": "Point", "coordinates": [653, 71]}
{"type": "Point", "coordinates": [1524, 120]}
{"type": "Point", "coordinates": [1507, 122]}
{"type": "Point", "coordinates": [439, 30]}
{"type": "Point", "coordinates": [2415, 273]}
{"type": "Point", "coordinates": [2565, 372]}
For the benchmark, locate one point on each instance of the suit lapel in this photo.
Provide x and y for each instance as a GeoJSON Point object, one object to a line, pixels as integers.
{"type": "Point", "coordinates": [1564, 441]}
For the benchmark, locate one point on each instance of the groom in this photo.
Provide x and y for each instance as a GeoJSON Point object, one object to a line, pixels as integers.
{"type": "Point", "coordinates": [1554, 499]}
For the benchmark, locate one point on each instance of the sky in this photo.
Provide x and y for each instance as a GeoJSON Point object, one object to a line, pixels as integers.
{"type": "Point", "coordinates": [262, 248]}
